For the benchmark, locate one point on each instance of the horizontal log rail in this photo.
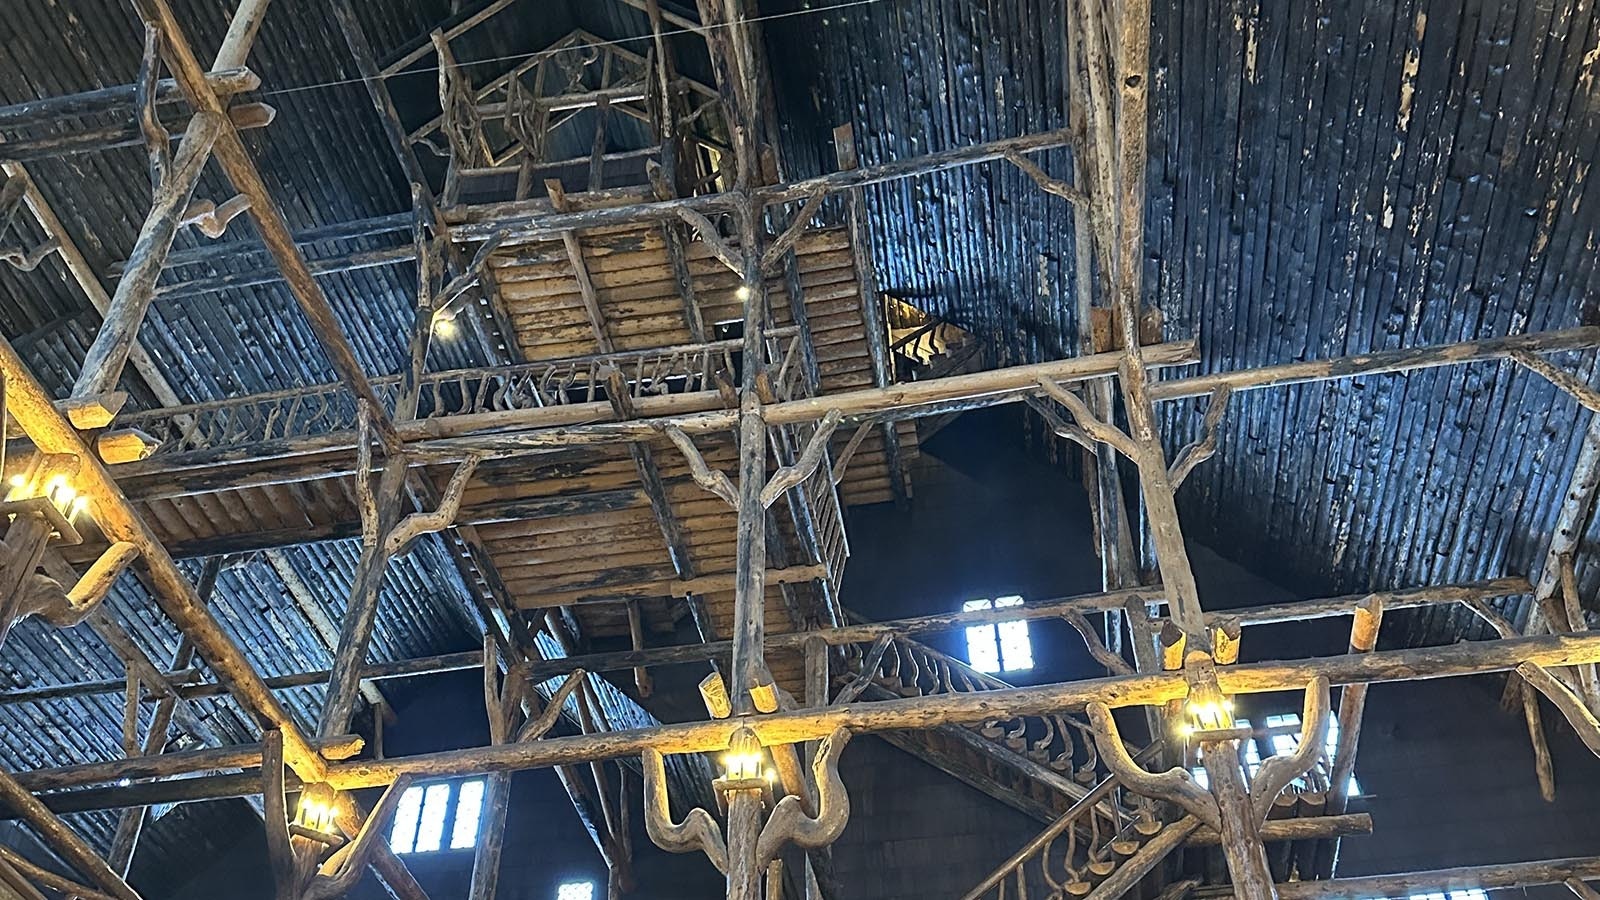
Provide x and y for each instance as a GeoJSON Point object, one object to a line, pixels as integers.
{"type": "Point", "coordinates": [521, 432]}
{"type": "Point", "coordinates": [859, 633]}
{"type": "Point", "coordinates": [1472, 658]}
{"type": "Point", "coordinates": [331, 408]}
{"type": "Point", "coordinates": [1468, 658]}
{"type": "Point", "coordinates": [527, 219]}
{"type": "Point", "coordinates": [1495, 876]}
{"type": "Point", "coordinates": [1381, 362]}
{"type": "Point", "coordinates": [34, 113]}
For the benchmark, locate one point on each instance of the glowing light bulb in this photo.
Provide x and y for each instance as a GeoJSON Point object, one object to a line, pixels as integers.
{"type": "Point", "coordinates": [18, 481]}
{"type": "Point", "coordinates": [445, 325]}
{"type": "Point", "coordinates": [743, 293]}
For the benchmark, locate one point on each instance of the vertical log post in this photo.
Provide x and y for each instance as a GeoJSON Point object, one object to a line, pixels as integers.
{"type": "Point", "coordinates": [1352, 708]}
{"type": "Point", "coordinates": [844, 146]}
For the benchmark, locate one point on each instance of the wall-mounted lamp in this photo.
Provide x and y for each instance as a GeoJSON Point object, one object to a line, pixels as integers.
{"type": "Point", "coordinates": [445, 324]}
{"type": "Point", "coordinates": [1208, 718]}
{"type": "Point", "coordinates": [314, 814]}
{"type": "Point", "coordinates": [45, 494]}
{"type": "Point", "coordinates": [744, 766]}
{"type": "Point", "coordinates": [743, 293]}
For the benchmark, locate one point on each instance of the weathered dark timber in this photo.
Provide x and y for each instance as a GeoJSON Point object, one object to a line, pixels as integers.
{"type": "Point", "coordinates": [529, 219]}
{"type": "Point", "coordinates": [28, 402]}
{"type": "Point", "coordinates": [245, 117]}
{"type": "Point", "coordinates": [36, 112]}
{"type": "Point", "coordinates": [864, 633]}
{"type": "Point", "coordinates": [68, 845]}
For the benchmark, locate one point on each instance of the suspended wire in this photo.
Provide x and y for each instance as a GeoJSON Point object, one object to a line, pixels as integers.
{"type": "Point", "coordinates": [523, 57]}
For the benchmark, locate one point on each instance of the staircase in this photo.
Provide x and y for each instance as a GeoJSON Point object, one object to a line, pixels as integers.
{"type": "Point", "coordinates": [925, 346]}
{"type": "Point", "coordinates": [1078, 852]}
{"type": "Point", "coordinates": [1039, 765]}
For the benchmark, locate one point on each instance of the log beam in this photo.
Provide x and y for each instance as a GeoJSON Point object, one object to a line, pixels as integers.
{"type": "Point", "coordinates": [66, 843]}
{"type": "Point", "coordinates": [50, 432]}
{"type": "Point", "coordinates": [230, 152]}
{"type": "Point", "coordinates": [972, 708]}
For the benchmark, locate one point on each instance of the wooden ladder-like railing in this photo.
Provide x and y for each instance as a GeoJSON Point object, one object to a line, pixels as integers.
{"type": "Point", "coordinates": [1037, 764]}
{"type": "Point", "coordinates": [1076, 853]}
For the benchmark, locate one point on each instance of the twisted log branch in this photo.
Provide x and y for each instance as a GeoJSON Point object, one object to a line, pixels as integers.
{"type": "Point", "coordinates": [1205, 447]}
{"type": "Point", "coordinates": [1089, 422]}
{"type": "Point", "coordinates": [707, 231]}
{"type": "Point", "coordinates": [791, 235]}
{"type": "Point", "coordinates": [341, 870]}
{"type": "Point", "coordinates": [1567, 700]}
{"type": "Point", "coordinates": [418, 524]}
{"type": "Point", "coordinates": [697, 831]}
{"type": "Point", "coordinates": [789, 822]}
{"type": "Point", "coordinates": [1276, 773]}
{"type": "Point", "coordinates": [533, 729]}
{"type": "Point", "coordinates": [1097, 648]}
{"type": "Point", "coordinates": [1049, 183]}
{"type": "Point", "coordinates": [715, 481]}
{"type": "Point", "coordinates": [790, 476]}
{"type": "Point", "coordinates": [1174, 785]}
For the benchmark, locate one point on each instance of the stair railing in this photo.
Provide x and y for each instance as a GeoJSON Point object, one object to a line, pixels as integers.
{"type": "Point", "coordinates": [1073, 853]}
{"type": "Point", "coordinates": [908, 668]}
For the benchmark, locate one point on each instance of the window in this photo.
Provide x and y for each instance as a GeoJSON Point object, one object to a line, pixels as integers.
{"type": "Point", "coordinates": [576, 890]}
{"type": "Point", "coordinates": [1467, 894]}
{"type": "Point", "coordinates": [426, 813]}
{"type": "Point", "coordinates": [1282, 731]}
{"type": "Point", "coordinates": [1283, 735]}
{"type": "Point", "coordinates": [998, 648]}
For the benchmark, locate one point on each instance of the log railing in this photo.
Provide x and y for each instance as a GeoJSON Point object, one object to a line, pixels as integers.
{"type": "Point", "coordinates": [330, 408]}
{"type": "Point", "coordinates": [1064, 742]}
{"type": "Point", "coordinates": [1073, 854]}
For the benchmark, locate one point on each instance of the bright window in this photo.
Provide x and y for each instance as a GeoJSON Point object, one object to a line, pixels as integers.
{"type": "Point", "coordinates": [998, 648]}
{"type": "Point", "coordinates": [1468, 894]}
{"type": "Point", "coordinates": [426, 812]}
{"type": "Point", "coordinates": [1283, 734]}
{"type": "Point", "coordinates": [576, 890]}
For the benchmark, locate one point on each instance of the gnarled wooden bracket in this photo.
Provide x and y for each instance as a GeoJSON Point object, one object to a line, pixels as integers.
{"type": "Point", "coordinates": [1205, 446]}
{"type": "Point", "coordinates": [533, 729]}
{"type": "Point", "coordinates": [707, 232]}
{"type": "Point", "coordinates": [158, 144]}
{"type": "Point", "coordinates": [293, 858]}
{"type": "Point", "coordinates": [1174, 785]}
{"type": "Point", "coordinates": [464, 282]}
{"type": "Point", "coordinates": [789, 822]}
{"type": "Point", "coordinates": [44, 596]}
{"type": "Point", "coordinates": [1089, 422]}
{"type": "Point", "coordinates": [775, 250]}
{"type": "Point", "coordinates": [1048, 183]}
{"type": "Point", "coordinates": [1102, 654]}
{"type": "Point", "coordinates": [1276, 773]}
{"type": "Point", "coordinates": [697, 831]}
{"type": "Point", "coordinates": [790, 476]}
{"type": "Point", "coordinates": [26, 260]}
{"type": "Point", "coordinates": [1060, 426]}
{"type": "Point", "coordinates": [717, 482]}
{"type": "Point", "coordinates": [1569, 383]}
{"type": "Point", "coordinates": [212, 220]}
{"type": "Point", "coordinates": [1567, 700]}
{"type": "Point", "coordinates": [842, 462]}
{"type": "Point", "coordinates": [418, 524]}
{"type": "Point", "coordinates": [341, 870]}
